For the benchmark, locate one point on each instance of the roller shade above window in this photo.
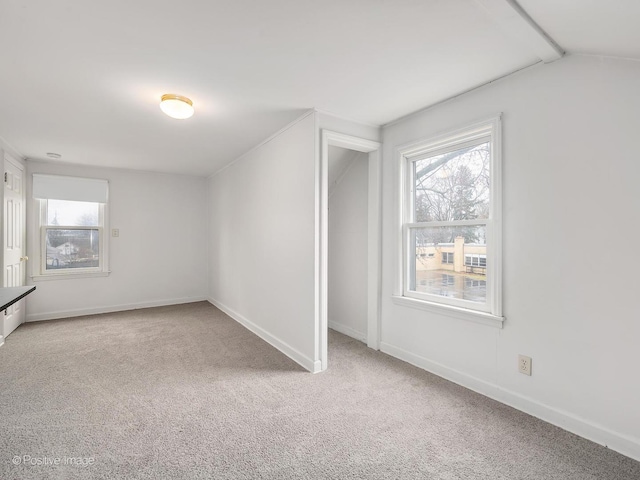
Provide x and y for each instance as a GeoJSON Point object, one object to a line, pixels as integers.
{"type": "Point", "coordinates": [70, 188]}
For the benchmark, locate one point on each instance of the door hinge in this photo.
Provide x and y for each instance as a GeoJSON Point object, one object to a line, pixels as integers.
{"type": "Point", "coordinates": [5, 177]}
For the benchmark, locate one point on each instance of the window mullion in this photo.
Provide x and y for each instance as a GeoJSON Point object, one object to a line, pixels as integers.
{"type": "Point", "coordinates": [484, 137]}
{"type": "Point", "coordinates": [450, 223]}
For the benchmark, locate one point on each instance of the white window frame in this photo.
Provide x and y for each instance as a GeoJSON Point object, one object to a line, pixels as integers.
{"type": "Point", "coordinates": [489, 313]}
{"type": "Point", "coordinates": [101, 270]}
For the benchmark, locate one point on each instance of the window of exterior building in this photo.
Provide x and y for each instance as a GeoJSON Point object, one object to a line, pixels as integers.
{"type": "Point", "coordinates": [451, 200]}
{"type": "Point", "coordinates": [475, 260]}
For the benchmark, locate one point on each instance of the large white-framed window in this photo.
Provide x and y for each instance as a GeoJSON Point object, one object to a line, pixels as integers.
{"type": "Point", "coordinates": [451, 204]}
{"type": "Point", "coordinates": [72, 220]}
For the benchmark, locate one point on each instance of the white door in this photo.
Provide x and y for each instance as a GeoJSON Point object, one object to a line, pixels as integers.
{"type": "Point", "coordinates": [13, 241]}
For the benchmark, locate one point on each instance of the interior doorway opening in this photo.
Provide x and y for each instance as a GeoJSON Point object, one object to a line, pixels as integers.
{"type": "Point", "coordinates": [350, 183]}
{"type": "Point", "coordinates": [348, 188]}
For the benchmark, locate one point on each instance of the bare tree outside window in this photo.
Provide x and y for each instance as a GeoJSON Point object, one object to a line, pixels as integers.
{"type": "Point", "coordinates": [451, 187]}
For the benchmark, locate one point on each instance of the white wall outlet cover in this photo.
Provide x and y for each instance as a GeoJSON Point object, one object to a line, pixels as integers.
{"type": "Point", "coordinates": [115, 232]}
{"type": "Point", "coordinates": [524, 364]}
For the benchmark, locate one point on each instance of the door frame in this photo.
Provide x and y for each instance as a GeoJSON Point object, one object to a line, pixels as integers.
{"type": "Point", "coordinates": [21, 166]}
{"type": "Point", "coordinates": [8, 158]}
{"type": "Point", "coordinates": [374, 234]}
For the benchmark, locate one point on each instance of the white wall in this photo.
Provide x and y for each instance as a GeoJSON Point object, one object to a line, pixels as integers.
{"type": "Point", "coordinates": [158, 259]}
{"type": "Point", "coordinates": [348, 240]}
{"type": "Point", "coordinates": [571, 201]}
{"type": "Point", "coordinates": [262, 240]}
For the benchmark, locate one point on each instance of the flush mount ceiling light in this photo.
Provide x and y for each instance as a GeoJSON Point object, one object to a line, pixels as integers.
{"type": "Point", "coordinates": [176, 106]}
{"type": "Point", "coordinates": [53, 155]}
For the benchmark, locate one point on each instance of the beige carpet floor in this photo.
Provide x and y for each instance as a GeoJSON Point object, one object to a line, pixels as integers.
{"type": "Point", "coordinates": [186, 392]}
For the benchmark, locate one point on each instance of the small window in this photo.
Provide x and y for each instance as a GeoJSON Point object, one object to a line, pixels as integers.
{"type": "Point", "coordinates": [72, 235]}
{"type": "Point", "coordinates": [447, 257]}
{"type": "Point", "coordinates": [451, 200]}
{"type": "Point", "coordinates": [72, 239]}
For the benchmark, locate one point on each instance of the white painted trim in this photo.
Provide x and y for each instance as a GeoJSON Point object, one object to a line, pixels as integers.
{"type": "Point", "coordinates": [348, 331]}
{"type": "Point", "coordinates": [350, 142]}
{"type": "Point", "coordinates": [515, 22]}
{"type": "Point", "coordinates": [69, 276]}
{"type": "Point", "coordinates": [374, 250]}
{"type": "Point", "coordinates": [450, 311]}
{"type": "Point", "coordinates": [319, 345]}
{"type": "Point", "coordinates": [1, 340]}
{"type": "Point", "coordinates": [17, 162]}
{"type": "Point", "coordinates": [374, 233]}
{"type": "Point", "coordinates": [81, 312]}
{"type": "Point", "coordinates": [497, 194]}
{"type": "Point", "coordinates": [286, 349]}
{"type": "Point", "coordinates": [39, 270]}
{"type": "Point", "coordinates": [407, 153]}
{"type": "Point", "coordinates": [320, 348]}
{"type": "Point", "coordinates": [621, 443]}
{"type": "Point", "coordinates": [264, 142]}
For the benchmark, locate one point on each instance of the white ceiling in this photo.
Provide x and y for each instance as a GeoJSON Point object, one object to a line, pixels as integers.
{"type": "Point", "coordinates": [596, 27]}
{"type": "Point", "coordinates": [84, 78]}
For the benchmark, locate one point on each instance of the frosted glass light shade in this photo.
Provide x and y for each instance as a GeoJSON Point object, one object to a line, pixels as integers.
{"type": "Point", "coordinates": [176, 106]}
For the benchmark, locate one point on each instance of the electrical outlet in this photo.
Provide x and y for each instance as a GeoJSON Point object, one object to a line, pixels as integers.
{"type": "Point", "coordinates": [524, 364]}
{"type": "Point", "coordinates": [115, 232]}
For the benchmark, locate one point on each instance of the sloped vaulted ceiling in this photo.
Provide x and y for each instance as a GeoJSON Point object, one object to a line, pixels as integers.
{"type": "Point", "coordinates": [84, 78]}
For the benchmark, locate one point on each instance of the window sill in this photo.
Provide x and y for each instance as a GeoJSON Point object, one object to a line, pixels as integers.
{"type": "Point", "coordinates": [450, 311]}
{"type": "Point", "coordinates": [68, 276]}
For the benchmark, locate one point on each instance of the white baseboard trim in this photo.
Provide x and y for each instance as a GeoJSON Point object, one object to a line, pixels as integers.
{"type": "Point", "coordinates": [348, 331]}
{"type": "Point", "coordinates": [80, 312]}
{"type": "Point", "coordinates": [621, 443]}
{"type": "Point", "coordinates": [1, 340]}
{"type": "Point", "coordinates": [289, 351]}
